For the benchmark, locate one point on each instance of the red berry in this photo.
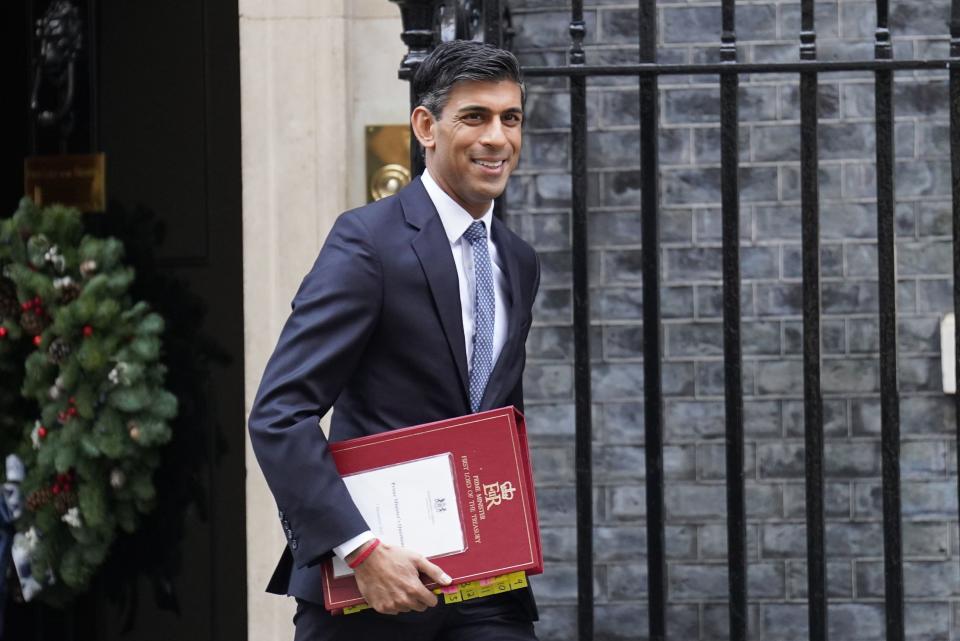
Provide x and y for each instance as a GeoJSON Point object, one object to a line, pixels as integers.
{"type": "Point", "coordinates": [55, 489]}
{"type": "Point", "coordinates": [87, 331]}
{"type": "Point", "coordinates": [72, 400]}
{"type": "Point", "coordinates": [37, 340]}
{"type": "Point", "coordinates": [42, 432]}
{"type": "Point", "coordinates": [25, 306]}
{"type": "Point", "coordinates": [72, 411]}
{"type": "Point", "coordinates": [3, 332]}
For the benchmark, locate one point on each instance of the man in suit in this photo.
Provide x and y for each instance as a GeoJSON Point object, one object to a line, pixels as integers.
{"type": "Point", "coordinates": [416, 310]}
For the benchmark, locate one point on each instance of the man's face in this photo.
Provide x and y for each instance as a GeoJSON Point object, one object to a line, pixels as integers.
{"type": "Point", "coordinates": [475, 145]}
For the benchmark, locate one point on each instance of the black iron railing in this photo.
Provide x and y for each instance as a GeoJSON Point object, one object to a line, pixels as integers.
{"type": "Point", "coordinates": [418, 17]}
{"type": "Point", "coordinates": [812, 397]}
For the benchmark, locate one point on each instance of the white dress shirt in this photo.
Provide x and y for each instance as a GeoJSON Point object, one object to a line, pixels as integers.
{"type": "Point", "coordinates": [455, 221]}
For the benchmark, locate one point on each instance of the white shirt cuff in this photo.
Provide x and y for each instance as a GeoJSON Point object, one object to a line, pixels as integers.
{"type": "Point", "coordinates": [350, 545]}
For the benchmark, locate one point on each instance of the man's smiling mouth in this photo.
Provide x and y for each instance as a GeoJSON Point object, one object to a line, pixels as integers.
{"type": "Point", "coordinates": [490, 164]}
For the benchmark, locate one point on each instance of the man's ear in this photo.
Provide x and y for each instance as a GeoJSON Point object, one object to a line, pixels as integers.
{"type": "Point", "coordinates": [422, 122]}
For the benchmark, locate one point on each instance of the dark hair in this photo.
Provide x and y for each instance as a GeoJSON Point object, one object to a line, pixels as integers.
{"type": "Point", "coordinates": [461, 61]}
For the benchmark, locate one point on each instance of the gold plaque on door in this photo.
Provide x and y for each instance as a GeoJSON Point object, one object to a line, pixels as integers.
{"type": "Point", "coordinates": [388, 160]}
{"type": "Point", "coordinates": [76, 180]}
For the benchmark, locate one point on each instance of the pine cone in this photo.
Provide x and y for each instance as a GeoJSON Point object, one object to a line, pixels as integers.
{"type": "Point", "coordinates": [39, 498]}
{"type": "Point", "coordinates": [64, 501]}
{"type": "Point", "coordinates": [9, 307]}
{"type": "Point", "coordinates": [69, 293]}
{"type": "Point", "coordinates": [32, 323]}
{"type": "Point", "coordinates": [58, 351]}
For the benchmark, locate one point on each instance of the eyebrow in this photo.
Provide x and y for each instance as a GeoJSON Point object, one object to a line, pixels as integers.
{"type": "Point", "coordinates": [486, 110]}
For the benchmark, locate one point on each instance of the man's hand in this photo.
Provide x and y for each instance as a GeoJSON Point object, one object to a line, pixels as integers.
{"type": "Point", "coordinates": [389, 579]}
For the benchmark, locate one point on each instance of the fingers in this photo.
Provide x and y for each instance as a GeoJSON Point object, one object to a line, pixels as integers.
{"type": "Point", "coordinates": [412, 597]}
{"type": "Point", "coordinates": [424, 597]}
{"type": "Point", "coordinates": [432, 571]}
{"type": "Point", "coordinates": [390, 580]}
{"type": "Point", "coordinates": [417, 596]}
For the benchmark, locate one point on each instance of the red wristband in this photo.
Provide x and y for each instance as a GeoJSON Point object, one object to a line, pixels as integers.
{"type": "Point", "coordinates": [363, 555]}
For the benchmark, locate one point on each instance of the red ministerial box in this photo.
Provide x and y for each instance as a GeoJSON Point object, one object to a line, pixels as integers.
{"type": "Point", "coordinates": [494, 487]}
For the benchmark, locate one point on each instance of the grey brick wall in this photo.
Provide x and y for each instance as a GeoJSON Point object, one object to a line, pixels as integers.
{"type": "Point", "coordinates": [539, 198]}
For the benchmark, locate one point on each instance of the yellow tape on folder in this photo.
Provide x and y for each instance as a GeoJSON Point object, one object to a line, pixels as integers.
{"type": "Point", "coordinates": [477, 589]}
{"type": "Point", "coordinates": [470, 590]}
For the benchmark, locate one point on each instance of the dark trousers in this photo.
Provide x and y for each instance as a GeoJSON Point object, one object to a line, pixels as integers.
{"type": "Point", "coordinates": [500, 617]}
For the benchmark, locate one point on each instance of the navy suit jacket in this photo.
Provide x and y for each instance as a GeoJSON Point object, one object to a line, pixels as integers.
{"type": "Point", "coordinates": [376, 332]}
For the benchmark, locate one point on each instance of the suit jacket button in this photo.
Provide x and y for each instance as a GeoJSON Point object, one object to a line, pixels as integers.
{"type": "Point", "coordinates": [293, 544]}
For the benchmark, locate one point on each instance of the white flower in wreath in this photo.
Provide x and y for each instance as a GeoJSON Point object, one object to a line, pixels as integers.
{"type": "Point", "coordinates": [117, 479]}
{"type": "Point", "coordinates": [57, 389]}
{"type": "Point", "coordinates": [72, 517]}
{"type": "Point", "coordinates": [88, 267]}
{"type": "Point", "coordinates": [54, 257]}
{"type": "Point", "coordinates": [35, 435]}
{"type": "Point", "coordinates": [118, 375]}
{"type": "Point", "coordinates": [30, 539]}
{"type": "Point", "coordinates": [60, 283]}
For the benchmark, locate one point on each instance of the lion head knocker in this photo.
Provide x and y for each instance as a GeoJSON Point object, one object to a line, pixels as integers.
{"type": "Point", "coordinates": [59, 33]}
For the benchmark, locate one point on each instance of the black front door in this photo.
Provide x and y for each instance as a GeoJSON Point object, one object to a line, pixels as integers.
{"type": "Point", "coordinates": [164, 106]}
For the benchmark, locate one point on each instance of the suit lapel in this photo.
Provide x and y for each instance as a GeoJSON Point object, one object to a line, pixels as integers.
{"type": "Point", "coordinates": [433, 251]}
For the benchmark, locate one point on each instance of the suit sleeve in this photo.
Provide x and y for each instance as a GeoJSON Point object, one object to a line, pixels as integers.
{"type": "Point", "coordinates": [515, 397]}
{"type": "Point", "coordinates": [334, 314]}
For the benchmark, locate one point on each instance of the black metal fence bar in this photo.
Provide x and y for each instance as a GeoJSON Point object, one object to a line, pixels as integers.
{"type": "Point", "coordinates": [955, 175]}
{"type": "Point", "coordinates": [581, 330]}
{"type": "Point", "coordinates": [644, 69]}
{"type": "Point", "coordinates": [732, 349]}
{"type": "Point", "coordinates": [652, 344]}
{"type": "Point", "coordinates": [887, 271]}
{"type": "Point", "coordinates": [812, 396]}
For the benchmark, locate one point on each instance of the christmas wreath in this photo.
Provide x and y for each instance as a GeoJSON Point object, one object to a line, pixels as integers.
{"type": "Point", "coordinates": [83, 409]}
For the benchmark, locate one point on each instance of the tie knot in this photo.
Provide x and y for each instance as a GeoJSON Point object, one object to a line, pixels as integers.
{"type": "Point", "coordinates": [475, 232]}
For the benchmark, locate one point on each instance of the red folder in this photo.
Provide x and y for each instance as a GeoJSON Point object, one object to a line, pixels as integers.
{"type": "Point", "coordinates": [494, 486]}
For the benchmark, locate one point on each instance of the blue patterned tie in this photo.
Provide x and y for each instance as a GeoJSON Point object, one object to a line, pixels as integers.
{"type": "Point", "coordinates": [484, 310]}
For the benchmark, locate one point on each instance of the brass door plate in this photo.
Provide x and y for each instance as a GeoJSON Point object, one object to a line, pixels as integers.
{"type": "Point", "coordinates": [75, 180]}
{"type": "Point", "coordinates": [388, 160]}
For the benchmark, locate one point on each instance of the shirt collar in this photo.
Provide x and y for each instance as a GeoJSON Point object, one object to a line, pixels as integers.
{"type": "Point", "coordinates": [455, 218]}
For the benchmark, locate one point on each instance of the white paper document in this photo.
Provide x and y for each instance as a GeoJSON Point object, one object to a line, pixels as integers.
{"type": "Point", "coordinates": [413, 505]}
